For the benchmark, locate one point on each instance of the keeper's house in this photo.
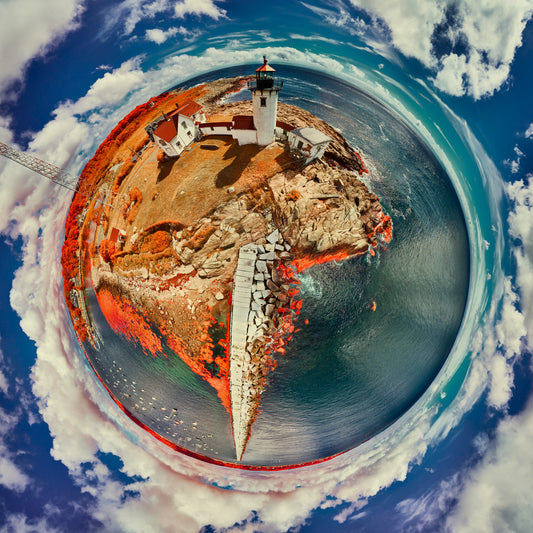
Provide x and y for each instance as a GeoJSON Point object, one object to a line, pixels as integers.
{"type": "Point", "coordinates": [174, 132]}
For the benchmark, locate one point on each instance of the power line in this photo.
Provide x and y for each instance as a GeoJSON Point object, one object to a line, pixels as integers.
{"type": "Point", "coordinates": [55, 174]}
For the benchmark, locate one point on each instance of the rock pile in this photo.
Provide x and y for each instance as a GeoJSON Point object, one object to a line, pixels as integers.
{"type": "Point", "coordinates": [258, 295]}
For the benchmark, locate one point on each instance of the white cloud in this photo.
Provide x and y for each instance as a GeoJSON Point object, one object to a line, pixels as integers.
{"type": "Point", "coordinates": [4, 383]}
{"type": "Point", "coordinates": [514, 164]}
{"type": "Point", "coordinates": [529, 132]}
{"type": "Point", "coordinates": [520, 228]}
{"type": "Point", "coordinates": [131, 12]}
{"type": "Point", "coordinates": [411, 24]}
{"type": "Point", "coordinates": [314, 38]}
{"type": "Point", "coordinates": [489, 32]}
{"type": "Point", "coordinates": [198, 8]}
{"type": "Point", "coordinates": [340, 18]}
{"type": "Point", "coordinates": [19, 523]}
{"type": "Point", "coordinates": [11, 476]}
{"type": "Point", "coordinates": [110, 89]}
{"type": "Point", "coordinates": [160, 36]}
{"type": "Point", "coordinates": [496, 497]}
{"type": "Point", "coordinates": [426, 512]}
{"type": "Point", "coordinates": [29, 29]}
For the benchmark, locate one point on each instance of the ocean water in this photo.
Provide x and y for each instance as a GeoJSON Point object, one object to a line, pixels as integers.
{"type": "Point", "coordinates": [351, 372]}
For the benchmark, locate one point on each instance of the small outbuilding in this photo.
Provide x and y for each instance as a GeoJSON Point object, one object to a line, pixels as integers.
{"type": "Point", "coordinates": [118, 236]}
{"type": "Point", "coordinates": [309, 142]}
{"type": "Point", "coordinates": [174, 132]}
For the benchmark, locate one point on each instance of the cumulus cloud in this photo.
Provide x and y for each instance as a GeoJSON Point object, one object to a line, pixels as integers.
{"type": "Point", "coordinates": [206, 8]}
{"type": "Point", "coordinates": [496, 494]}
{"type": "Point", "coordinates": [29, 29]}
{"type": "Point", "coordinates": [470, 44]}
{"type": "Point", "coordinates": [22, 524]}
{"type": "Point", "coordinates": [529, 132]}
{"type": "Point", "coordinates": [521, 229]}
{"type": "Point", "coordinates": [160, 36]}
{"type": "Point", "coordinates": [111, 88]}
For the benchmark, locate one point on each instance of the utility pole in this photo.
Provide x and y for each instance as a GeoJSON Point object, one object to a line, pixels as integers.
{"type": "Point", "coordinates": [55, 174]}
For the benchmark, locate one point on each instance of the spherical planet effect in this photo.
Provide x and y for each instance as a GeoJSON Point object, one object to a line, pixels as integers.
{"type": "Point", "coordinates": [374, 331]}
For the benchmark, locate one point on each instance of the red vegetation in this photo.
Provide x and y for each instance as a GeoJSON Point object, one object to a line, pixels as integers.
{"type": "Point", "coordinates": [107, 250]}
{"type": "Point", "coordinates": [303, 263]}
{"type": "Point", "coordinates": [141, 144]}
{"type": "Point", "coordinates": [131, 208]}
{"type": "Point", "coordinates": [128, 322]}
{"type": "Point", "coordinates": [199, 363]}
{"type": "Point", "coordinates": [156, 242]}
{"type": "Point", "coordinates": [94, 170]}
{"type": "Point", "coordinates": [124, 170]}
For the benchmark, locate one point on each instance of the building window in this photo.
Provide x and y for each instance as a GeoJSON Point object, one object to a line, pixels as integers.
{"type": "Point", "coordinates": [212, 129]}
{"type": "Point", "coordinates": [228, 128]}
{"type": "Point", "coordinates": [162, 142]}
{"type": "Point", "coordinates": [189, 134]}
{"type": "Point", "coordinates": [179, 144]}
{"type": "Point", "coordinates": [300, 145]}
{"type": "Point", "coordinates": [263, 101]}
{"type": "Point", "coordinates": [184, 124]}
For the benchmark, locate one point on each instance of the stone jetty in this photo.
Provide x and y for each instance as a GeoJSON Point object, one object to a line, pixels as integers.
{"type": "Point", "coordinates": [258, 294]}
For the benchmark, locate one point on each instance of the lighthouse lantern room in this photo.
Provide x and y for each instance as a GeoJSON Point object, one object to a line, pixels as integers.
{"type": "Point", "coordinates": [265, 89]}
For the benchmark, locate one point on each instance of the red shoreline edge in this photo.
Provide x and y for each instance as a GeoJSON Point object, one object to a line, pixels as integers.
{"type": "Point", "coordinates": [190, 453]}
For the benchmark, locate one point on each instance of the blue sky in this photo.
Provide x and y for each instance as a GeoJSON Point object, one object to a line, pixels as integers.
{"type": "Point", "coordinates": [69, 71]}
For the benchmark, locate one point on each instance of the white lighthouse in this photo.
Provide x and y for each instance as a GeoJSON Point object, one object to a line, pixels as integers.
{"type": "Point", "coordinates": [265, 89]}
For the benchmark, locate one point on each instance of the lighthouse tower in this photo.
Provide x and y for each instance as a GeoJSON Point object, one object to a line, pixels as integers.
{"type": "Point", "coordinates": [265, 89]}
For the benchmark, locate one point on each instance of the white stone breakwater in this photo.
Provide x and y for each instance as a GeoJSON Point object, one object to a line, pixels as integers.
{"type": "Point", "coordinates": [257, 294]}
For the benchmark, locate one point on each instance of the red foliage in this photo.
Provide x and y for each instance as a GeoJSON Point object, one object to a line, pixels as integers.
{"type": "Point", "coordinates": [136, 197]}
{"type": "Point", "coordinates": [124, 171]}
{"type": "Point", "coordinates": [143, 142]}
{"type": "Point", "coordinates": [127, 321]}
{"type": "Point", "coordinates": [156, 242]}
{"type": "Point", "coordinates": [107, 250]}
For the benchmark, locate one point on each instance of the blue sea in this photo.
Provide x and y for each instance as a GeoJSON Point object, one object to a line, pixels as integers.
{"type": "Point", "coordinates": [350, 372]}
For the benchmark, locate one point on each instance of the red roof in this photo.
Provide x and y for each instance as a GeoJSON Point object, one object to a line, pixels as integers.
{"type": "Point", "coordinates": [215, 124]}
{"type": "Point", "coordinates": [243, 122]}
{"type": "Point", "coordinates": [264, 67]}
{"type": "Point", "coordinates": [114, 235]}
{"type": "Point", "coordinates": [284, 125]}
{"type": "Point", "coordinates": [168, 128]}
{"type": "Point", "coordinates": [188, 108]}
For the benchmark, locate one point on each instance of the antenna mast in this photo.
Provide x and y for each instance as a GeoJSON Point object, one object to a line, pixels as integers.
{"type": "Point", "coordinates": [48, 170]}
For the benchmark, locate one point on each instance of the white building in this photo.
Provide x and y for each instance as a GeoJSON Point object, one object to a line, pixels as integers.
{"type": "Point", "coordinates": [265, 89]}
{"type": "Point", "coordinates": [309, 142]}
{"type": "Point", "coordinates": [178, 130]}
